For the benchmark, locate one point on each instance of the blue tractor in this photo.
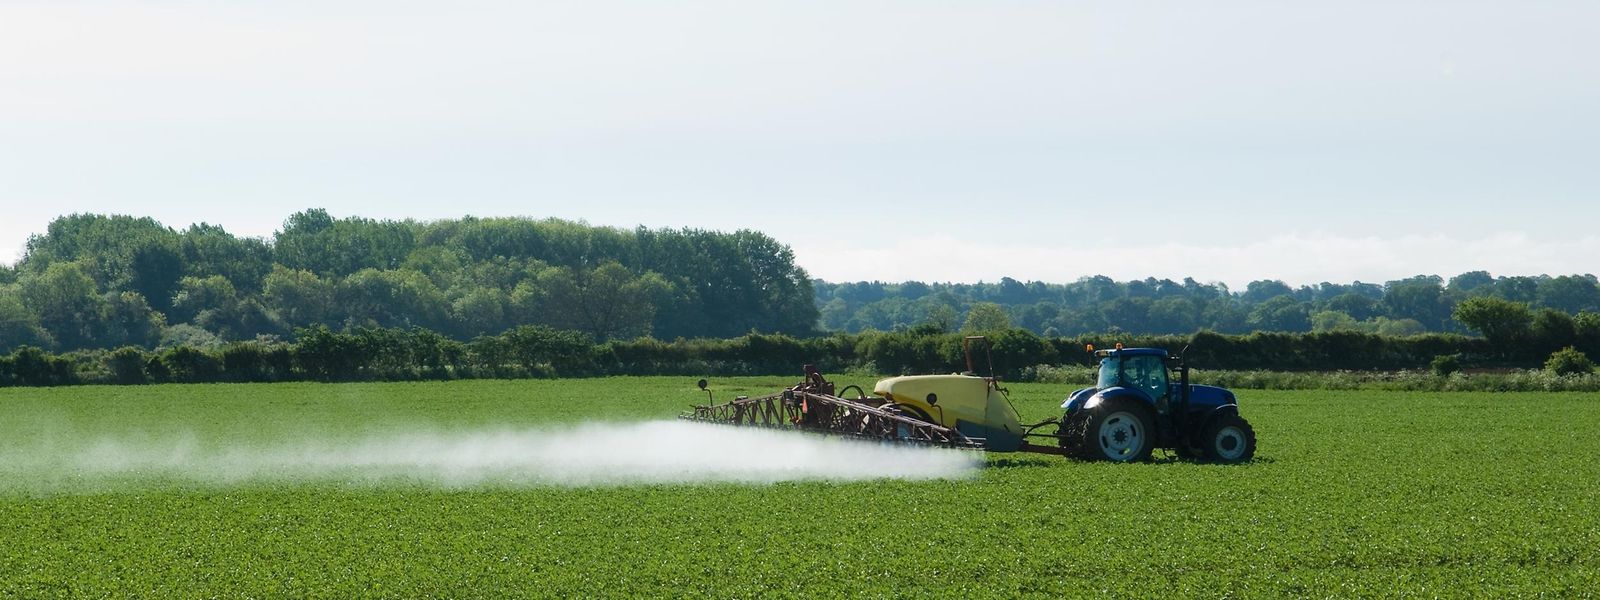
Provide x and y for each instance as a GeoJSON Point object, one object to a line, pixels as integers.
{"type": "Point", "coordinates": [1142, 401]}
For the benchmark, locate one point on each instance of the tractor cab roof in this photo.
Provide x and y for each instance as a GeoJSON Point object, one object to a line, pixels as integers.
{"type": "Point", "coordinates": [1161, 352]}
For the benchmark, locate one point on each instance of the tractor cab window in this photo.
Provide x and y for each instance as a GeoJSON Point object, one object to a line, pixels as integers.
{"type": "Point", "coordinates": [1110, 374]}
{"type": "Point", "coordinates": [1147, 373]}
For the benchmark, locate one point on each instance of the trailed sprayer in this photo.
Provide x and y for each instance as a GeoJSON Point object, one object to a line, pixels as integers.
{"type": "Point", "coordinates": [1141, 400]}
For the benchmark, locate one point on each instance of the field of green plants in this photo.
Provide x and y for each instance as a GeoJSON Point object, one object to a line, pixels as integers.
{"type": "Point", "coordinates": [1353, 493]}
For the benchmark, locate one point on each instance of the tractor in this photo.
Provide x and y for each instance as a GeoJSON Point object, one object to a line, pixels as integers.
{"type": "Point", "coordinates": [1135, 407]}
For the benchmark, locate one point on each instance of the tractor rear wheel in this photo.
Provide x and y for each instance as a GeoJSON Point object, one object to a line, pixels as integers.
{"type": "Point", "coordinates": [1119, 431]}
{"type": "Point", "coordinates": [1229, 439]}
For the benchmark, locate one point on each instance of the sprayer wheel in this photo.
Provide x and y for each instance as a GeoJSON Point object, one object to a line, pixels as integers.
{"type": "Point", "coordinates": [1069, 435]}
{"type": "Point", "coordinates": [916, 413]}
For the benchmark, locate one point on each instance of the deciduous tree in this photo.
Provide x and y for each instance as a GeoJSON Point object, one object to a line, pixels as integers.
{"type": "Point", "coordinates": [1500, 321]}
{"type": "Point", "coordinates": [986, 317]}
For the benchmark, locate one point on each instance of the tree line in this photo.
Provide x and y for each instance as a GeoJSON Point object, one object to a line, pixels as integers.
{"type": "Point", "coordinates": [1152, 306]}
{"type": "Point", "coordinates": [98, 281]}
{"type": "Point", "coordinates": [110, 281]}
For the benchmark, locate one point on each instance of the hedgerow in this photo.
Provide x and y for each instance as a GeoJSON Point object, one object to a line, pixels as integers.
{"type": "Point", "coordinates": [1343, 360]}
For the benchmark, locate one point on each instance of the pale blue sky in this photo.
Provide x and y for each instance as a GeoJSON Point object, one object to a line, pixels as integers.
{"type": "Point", "coordinates": [882, 140]}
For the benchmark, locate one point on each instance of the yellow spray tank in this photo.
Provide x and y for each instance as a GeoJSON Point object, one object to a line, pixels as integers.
{"type": "Point", "coordinates": [975, 406]}
{"type": "Point", "coordinates": [972, 405]}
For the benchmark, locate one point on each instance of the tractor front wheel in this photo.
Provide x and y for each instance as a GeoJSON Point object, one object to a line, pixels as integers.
{"type": "Point", "coordinates": [1229, 439]}
{"type": "Point", "coordinates": [1118, 431]}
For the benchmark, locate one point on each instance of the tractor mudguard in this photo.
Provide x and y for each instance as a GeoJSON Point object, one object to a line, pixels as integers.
{"type": "Point", "coordinates": [1076, 399]}
{"type": "Point", "coordinates": [1209, 396]}
{"type": "Point", "coordinates": [1096, 398]}
{"type": "Point", "coordinates": [1222, 410]}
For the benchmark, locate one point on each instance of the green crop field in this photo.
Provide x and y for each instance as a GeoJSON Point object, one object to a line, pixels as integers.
{"type": "Point", "coordinates": [1352, 494]}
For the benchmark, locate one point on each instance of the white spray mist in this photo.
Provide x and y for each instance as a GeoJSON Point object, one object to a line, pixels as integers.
{"type": "Point", "coordinates": [597, 454]}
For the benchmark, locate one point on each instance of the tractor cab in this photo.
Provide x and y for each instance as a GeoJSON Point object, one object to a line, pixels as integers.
{"type": "Point", "coordinates": [1158, 378]}
{"type": "Point", "coordinates": [1141, 369]}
